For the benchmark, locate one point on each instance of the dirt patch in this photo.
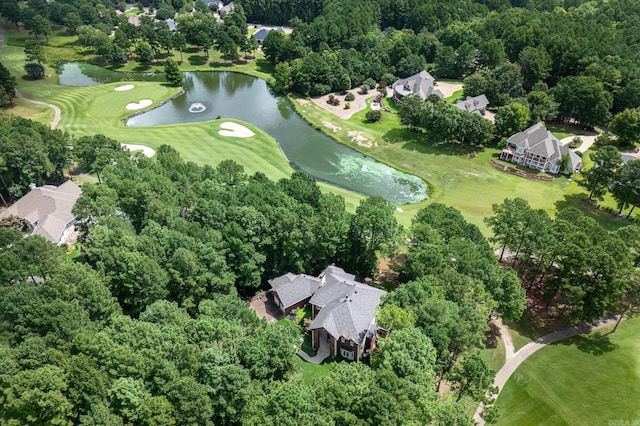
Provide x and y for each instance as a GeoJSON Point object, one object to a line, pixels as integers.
{"type": "Point", "coordinates": [329, 125]}
{"type": "Point", "coordinates": [359, 138]}
{"type": "Point", "coordinates": [388, 271]}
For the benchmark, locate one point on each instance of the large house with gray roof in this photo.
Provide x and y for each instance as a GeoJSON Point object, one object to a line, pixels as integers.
{"type": "Point", "coordinates": [342, 310]}
{"type": "Point", "coordinates": [421, 84]}
{"type": "Point", "coordinates": [474, 104]}
{"type": "Point", "coordinates": [537, 148]}
{"type": "Point", "coordinates": [47, 210]}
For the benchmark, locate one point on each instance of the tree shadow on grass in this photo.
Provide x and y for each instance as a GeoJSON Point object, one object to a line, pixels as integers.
{"type": "Point", "coordinates": [604, 218]}
{"type": "Point", "coordinates": [426, 147]}
{"type": "Point", "coordinates": [491, 336]}
{"type": "Point", "coordinates": [197, 60]}
{"type": "Point", "coordinates": [141, 68]}
{"type": "Point", "coordinates": [401, 134]}
{"type": "Point", "coordinates": [263, 65]}
{"type": "Point", "coordinates": [595, 343]}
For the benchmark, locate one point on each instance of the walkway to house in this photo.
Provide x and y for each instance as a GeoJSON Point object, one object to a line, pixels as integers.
{"type": "Point", "coordinates": [513, 362]}
{"type": "Point", "coordinates": [266, 308]}
{"type": "Point", "coordinates": [587, 141]}
{"type": "Point", "coordinates": [322, 354]}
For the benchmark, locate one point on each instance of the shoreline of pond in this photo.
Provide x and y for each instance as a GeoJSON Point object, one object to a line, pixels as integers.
{"type": "Point", "coordinates": [419, 189]}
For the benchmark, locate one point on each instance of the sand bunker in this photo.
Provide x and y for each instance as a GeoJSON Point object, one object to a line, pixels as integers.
{"type": "Point", "coordinates": [147, 151]}
{"type": "Point", "coordinates": [235, 130]}
{"type": "Point", "coordinates": [124, 88]}
{"type": "Point", "coordinates": [143, 103]}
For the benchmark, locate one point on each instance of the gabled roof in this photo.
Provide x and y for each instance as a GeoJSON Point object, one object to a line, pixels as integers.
{"type": "Point", "coordinates": [228, 8]}
{"type": "Point", "coordinates": [347, 307]}
{"type": "Point", "coordinates": [292, 289]}
{"type": "Point", "coordinates": [421, 84]}
{"type": "Point", "coordinates": [171, 24]}
{"type": "Point", "coordinates": [260, 34]}
{"type": "Point", "coordinates": [537, 140]}
{"type": "Point", "coordinates": [473, 104]}
{"type": "Point", "coordinates": [47, 209]}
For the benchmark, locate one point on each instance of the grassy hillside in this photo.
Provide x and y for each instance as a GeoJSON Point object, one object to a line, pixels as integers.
{"type": "Point", "coordinates": [586, 380]}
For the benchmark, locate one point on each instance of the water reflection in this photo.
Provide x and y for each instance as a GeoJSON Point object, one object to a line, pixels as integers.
{"type": "Point", "coordinates": [226, 94]}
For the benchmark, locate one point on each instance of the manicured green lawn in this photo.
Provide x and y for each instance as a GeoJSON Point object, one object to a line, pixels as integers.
{"type": "Point", "coordinates": [494, 356]}
{"type": "Point", "coordinates": [519, 340]}
{"type": "Point", "coordinates": [39, 113]}
{"type": "Point", "coordinates": [562, 132]}
{"type": "Point", "coordinates": [311, 372]}
{"type": "Point", "coordinates": [586, 380]}
{"type": "Point", "coordinates": [455, 97]}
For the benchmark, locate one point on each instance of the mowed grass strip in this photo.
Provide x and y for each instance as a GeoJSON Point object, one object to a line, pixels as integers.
{"type": "Point", "coordinates": [586, 380]}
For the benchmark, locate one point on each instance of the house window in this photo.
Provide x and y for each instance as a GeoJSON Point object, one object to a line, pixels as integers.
{"type": "Point", "coordinates": [346, 353]}
{"type": "Point", "coordinates": [520, 150]}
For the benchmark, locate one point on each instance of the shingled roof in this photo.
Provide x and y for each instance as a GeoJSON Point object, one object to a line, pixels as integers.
{"type": "Point", "coordinates": [421, 84]}
{"type": "Point", "coordinates": [538, 140]}
{"type": "Point", "coordinates": [47, 209]}
{"type": "Point", "coordinates": [347, 307]}
{"type": "Point", "coordinates": [473, 104]}
{"type": "Point", "coordinates": [292, 288]}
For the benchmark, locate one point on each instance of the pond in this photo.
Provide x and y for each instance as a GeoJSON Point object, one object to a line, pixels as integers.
{"type": "Point", "coordinates": [227, 94]}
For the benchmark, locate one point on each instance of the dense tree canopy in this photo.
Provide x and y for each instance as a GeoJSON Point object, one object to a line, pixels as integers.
{"type": "Point", "coordinates": [146, 326]}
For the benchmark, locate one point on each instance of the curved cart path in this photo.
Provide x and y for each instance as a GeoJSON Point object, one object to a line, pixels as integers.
{"type": "Point", "coordinates": [56, 111]}
{"type": "Point", "coordinates": [57, 114]}
{"type": "Point", "coordinates": [529, 349]}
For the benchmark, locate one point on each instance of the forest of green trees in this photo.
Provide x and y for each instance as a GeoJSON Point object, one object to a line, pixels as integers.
{"type": "Point", "coordinates": [150, 324]}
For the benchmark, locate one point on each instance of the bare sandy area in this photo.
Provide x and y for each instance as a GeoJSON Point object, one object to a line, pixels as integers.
{"type": "Point", "coordinates": [143, 103]}
{"type": "Point", "coordinates": [357, 104]}
{"type": "Point", "coordinates": [235, 130]}
{"type": "Point", "coordinates": [361, 140]}
{"type": "Point", "coordinates": [146, 151]}
{"type": "Point", "coordinates": [448, 89]}
{"type": "Point", "coordinates": [124, 88]}
{"type": "Point", "coordinates": [329, 125]}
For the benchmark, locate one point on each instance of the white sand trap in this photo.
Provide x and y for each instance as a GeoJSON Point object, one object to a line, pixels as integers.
{"type": "Point", "coordinates": [147, 151]}
{"type": "Point", "coordinates": [143, 103]}
{"type": "Point", "coordinates": [399, 209]}
{"type": "Point", "coordinates": [235, 130]}
{"type": "Point", "coordinates": [124, 88]}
